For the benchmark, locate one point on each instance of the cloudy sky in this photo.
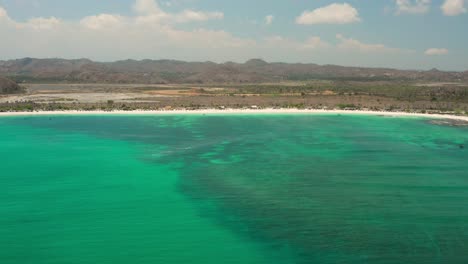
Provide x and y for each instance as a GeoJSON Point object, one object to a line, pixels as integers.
{"type": "Point", "coordinates": [407, 34]}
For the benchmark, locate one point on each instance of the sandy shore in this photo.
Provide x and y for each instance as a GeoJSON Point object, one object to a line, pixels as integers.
{"type": "Point", "coordinates": [236, 111]}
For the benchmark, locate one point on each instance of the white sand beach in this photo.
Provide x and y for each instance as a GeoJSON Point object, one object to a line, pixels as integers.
{"type": "Point", "coordinates": [236, 111]}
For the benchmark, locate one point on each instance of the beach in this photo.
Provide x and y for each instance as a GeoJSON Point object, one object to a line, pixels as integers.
{"type": "Point", "coordinates": [267, 111]}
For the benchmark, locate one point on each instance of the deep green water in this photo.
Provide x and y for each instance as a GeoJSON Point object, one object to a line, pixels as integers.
{"type": "Point", "coordinates": [232, 189]}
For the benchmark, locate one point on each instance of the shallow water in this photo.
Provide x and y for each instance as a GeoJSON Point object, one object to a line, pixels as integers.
{"type": "Point", "coordinates": [232, 189]}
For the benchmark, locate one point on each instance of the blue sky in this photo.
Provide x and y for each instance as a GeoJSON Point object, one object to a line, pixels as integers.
{"type": "Point", "coordinates": [408, 34]}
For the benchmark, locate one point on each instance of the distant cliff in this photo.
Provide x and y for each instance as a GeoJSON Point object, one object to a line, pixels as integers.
{"type": "Point", "coordinates": [171, 71]}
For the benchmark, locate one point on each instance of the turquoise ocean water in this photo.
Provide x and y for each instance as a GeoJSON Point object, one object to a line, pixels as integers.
{"type": "Point", "coordinates": [232, 189]}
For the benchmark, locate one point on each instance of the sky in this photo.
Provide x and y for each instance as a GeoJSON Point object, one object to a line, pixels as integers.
{"type": "Point", "coordinates": [404, 34]}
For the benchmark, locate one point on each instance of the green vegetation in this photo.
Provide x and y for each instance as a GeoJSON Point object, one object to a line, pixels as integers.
{"type": "Point", "coordinates": [315, 94]}
{"type": "Point", "coordinates": [33, 79]}
{"type": "Point", "coordinates": [347, 106]}
{"type": "Point", "coordinates": [400, 91]}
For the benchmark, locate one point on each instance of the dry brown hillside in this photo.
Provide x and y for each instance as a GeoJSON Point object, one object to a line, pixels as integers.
{"type": "Point", "coordinates": [8, 86]}
{"type": "Point", "coordinates": [171, 71]}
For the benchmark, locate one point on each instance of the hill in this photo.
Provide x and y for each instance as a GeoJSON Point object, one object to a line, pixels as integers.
{"type": "Point", "coordinates": [9, 87]}
{"type": "Point", "coordinates": [171, 71]}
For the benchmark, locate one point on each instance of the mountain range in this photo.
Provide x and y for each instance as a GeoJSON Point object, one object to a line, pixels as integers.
{"type": "Point", "coordinates": [172, 71]}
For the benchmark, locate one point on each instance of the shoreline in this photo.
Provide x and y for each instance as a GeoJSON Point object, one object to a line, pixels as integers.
{"type": "Point", "coordinates": [234, 111]}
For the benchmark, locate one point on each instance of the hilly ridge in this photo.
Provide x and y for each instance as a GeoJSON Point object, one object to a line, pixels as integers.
{"type": "Point", "coordinates": [9, 87]}
{"type": "Point", "coordinates": [172, 71]}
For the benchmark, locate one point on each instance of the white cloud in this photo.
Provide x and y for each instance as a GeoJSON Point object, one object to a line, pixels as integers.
{"type": "Point", "coordinates": [190, 15]}
{"type": "Point", "coordinates": [453, 7]}
{"type": "Point", "coordinates": [413, 6]}
{"type": "Point", "coordinates": [37, 23]}
{"type": "Point", "coordinates": [349, 44]}
{"type": "Point", "coordinates": [269, 19]}
{"type": "Point", "coordinates": [149, 11]}
{"type": "Point", "coordinates": [102, 21]}
{"type": "Point", "coordinates": [156, 35]}
{"type": "Point", "coordinates": [147, 7]}
{"type": "Point", "coordinates": [151, 33]}
{"type": "Point", "coordinates": [4, 15]}
{"type": "Point", "coordinates": [436, 51]}
{"type": "Point", "coordinates": [331, 14]}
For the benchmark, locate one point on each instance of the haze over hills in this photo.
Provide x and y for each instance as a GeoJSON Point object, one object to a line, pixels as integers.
{"type": "Point", "coordinates": [171, 71]}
